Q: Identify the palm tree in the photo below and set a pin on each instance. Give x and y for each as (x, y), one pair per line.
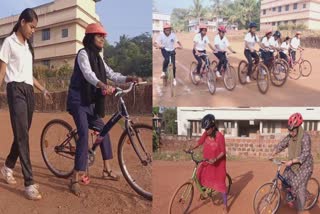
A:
(197, 10)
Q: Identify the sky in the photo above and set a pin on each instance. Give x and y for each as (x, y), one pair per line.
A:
(166, 6)
(118, 16)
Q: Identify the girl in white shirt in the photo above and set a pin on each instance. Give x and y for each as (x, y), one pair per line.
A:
(16, 63)
(201, 41)
(285, 48)
(295, 45)
(265, 50)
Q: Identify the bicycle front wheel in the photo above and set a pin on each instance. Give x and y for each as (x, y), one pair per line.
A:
(230, 78)
(279, 74)
(305, 68)
(170, 78)
(195, 78)
(136, 171)
(211, 81)
(312, 193)
(58, 147)
(262, 78)
(243, 71)
(267, 199)
(182, 199)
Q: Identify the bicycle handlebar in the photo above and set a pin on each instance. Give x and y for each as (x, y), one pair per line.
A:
(121, 92)
(192, 157)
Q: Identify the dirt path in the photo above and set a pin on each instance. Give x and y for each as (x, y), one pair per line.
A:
(101, 196)
(300, 92)
(247, 176)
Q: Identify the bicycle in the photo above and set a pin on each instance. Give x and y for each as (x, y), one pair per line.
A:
(269, 201)
(134, 154)
(305, 67)
(260, 74)
(184, 194)
(229, 75)
(206, 74)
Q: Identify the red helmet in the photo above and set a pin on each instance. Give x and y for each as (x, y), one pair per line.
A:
(95, 28)
(298, 33)
(268, 32)
(295, 121)
(222, 29)
(203, 26)
(166, 25)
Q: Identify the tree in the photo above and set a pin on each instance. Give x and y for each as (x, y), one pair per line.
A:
(197, 10)
(179, 19)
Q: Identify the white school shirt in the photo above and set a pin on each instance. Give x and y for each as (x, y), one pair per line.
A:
(285, 47)
(251, 40)
(273, 42)
(167, 41)
(201, 43)
(90, 76)
(18, 58)
(266, 42)
(295, 42)
(221, 44)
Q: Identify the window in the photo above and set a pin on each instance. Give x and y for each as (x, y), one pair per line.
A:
(286, 22)
(65, 33)
(46, 34)
(295, 6)
(46, 62)
(264, 12)
(268, 127)
(279, 9)
(304, 5)
(228, 126)
(195, 128)
(279, 23)
(287, 7)
(310, 125)
(294, 22)
(274, 9)
(273, 23)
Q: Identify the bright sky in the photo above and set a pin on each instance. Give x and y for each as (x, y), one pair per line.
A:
(166, 6)
(133, 19)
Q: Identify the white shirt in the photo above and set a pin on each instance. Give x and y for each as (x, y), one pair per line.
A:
(285, 47)
(167, 41)
(18, 58)
(266, 42)
(295, 43)
(221, 44)
(201, 43)
(90, 76)
(251, 40)
(273, 42)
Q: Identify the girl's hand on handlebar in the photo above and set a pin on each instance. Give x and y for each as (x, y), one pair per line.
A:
(132, 79)
(289, 163)
(212, 161)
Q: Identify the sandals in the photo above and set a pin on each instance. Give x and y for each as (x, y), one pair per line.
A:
(109, 176)
(74, 187)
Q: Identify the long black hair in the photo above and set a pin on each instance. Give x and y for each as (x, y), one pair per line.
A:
(28, 15)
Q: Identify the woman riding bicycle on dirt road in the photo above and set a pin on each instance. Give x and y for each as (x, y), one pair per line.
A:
(166, 42)
(221, 43)
(85, 102)
(213, 174)
(201, 41)
(250, 41)
(300, 161)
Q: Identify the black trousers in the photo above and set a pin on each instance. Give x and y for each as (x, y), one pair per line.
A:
(293, 54)
(222, 60)
(283, 56)
(166, 55)
(250, 56)
(21, 106)
(199, 59)
(266, 56)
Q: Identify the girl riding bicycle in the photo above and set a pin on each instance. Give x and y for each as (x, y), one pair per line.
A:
(300, 161)
(201, 41)
(221, 44)
(213, 174)
(85, 102)
(166, 42)
(295, 45)
(285, 48)
(250, 41)
(16, 63)
(266, 50)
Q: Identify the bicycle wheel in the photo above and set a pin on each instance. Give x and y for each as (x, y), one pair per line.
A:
(312, 193)
(278, 74)
(305, 68)
(214, 65)
(228, 183)
(266, 199)
(211, 81)
(138, 173)
(58, 146)
(230, 78)
(182, 199)
(242, 72)
(295, 72)
(195, 79)
(170, 79)
(262, 78)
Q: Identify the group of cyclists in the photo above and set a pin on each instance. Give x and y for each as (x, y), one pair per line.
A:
(270, 43)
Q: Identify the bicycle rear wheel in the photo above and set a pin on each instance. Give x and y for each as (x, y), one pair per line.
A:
(305, 68)
(138, 173)
(195, 79)
(243, 72)
(266, 199)
(312, 193)
(279, 74)
(262, 78)
(211, 81)
(170, 79)
(295, 72)
(58, 146)
(182, 199)
(230, 78)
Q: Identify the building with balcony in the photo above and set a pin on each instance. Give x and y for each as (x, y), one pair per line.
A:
(158, 20)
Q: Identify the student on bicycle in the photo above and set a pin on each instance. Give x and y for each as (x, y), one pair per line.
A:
(86, 104)
(295, 45)
(285, 48)
(250, 40)
(16, 64)
(266, 50)
(221, 44)
(166, 42)
(300, 165)
(275, 41)
(201, 41)
(212, 174)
